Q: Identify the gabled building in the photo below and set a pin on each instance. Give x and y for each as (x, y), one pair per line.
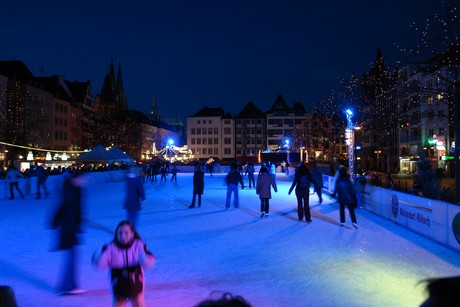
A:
(250, 133)
(281, 120)
(43, 112)
(211, 133)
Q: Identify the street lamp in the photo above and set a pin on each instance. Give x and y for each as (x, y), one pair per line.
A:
(350, 141)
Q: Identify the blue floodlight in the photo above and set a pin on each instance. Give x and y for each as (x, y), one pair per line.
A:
(170, 142)
(349, 112)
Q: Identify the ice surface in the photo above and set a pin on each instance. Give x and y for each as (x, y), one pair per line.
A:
(203, 252)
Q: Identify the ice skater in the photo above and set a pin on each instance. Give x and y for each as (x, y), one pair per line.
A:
(198, 185)
(174, 174)
(12, 176)
(163, 172)
(317, 176)
(232, 180)
(135, 194)
(263, 189)
(68, 219)
(42, 177)
(346, 196)
(302, 181)
(126, 256)
(250, 173)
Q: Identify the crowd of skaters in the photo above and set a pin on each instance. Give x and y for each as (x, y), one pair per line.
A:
(67, 218)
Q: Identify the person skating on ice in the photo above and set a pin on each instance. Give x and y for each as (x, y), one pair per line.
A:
(263, 188)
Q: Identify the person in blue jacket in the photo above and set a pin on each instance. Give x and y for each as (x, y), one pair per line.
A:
(135, 194)
(232, 180)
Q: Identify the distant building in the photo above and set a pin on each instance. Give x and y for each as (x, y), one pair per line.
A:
(250, 133)
(425, 117)
(211, 133)
(42, 112)
(281, 121)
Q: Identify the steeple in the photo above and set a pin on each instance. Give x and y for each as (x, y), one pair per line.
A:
(108, 87)
(112, 98)
(120, 92)
(153, 111)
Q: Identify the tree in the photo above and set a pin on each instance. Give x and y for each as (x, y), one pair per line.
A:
(314, 133)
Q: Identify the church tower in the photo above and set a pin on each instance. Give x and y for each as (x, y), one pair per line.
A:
(154, 112)
(112, 98)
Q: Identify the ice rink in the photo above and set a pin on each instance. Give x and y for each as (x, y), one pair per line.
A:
(203, 252)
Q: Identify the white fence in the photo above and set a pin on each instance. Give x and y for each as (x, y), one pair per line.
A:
(437, 220)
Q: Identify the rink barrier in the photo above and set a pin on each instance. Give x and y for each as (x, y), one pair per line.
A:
(434, 219)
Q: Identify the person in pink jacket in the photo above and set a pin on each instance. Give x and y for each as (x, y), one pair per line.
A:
(126, 256)
(263, 189)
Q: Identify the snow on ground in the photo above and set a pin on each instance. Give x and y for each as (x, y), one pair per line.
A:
(203, 252)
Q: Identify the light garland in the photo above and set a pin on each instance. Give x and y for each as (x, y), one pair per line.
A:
(47, 150)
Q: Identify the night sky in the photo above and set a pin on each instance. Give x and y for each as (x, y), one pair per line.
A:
(191, 54)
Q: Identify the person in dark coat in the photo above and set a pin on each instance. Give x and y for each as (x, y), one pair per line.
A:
(317, 176)
(263, 188)
(250, 172)
(42, 177)
(163, 171)
(174, 174)
(7, 297)
(68, 219)
(135, 194)
(302, 181)
(232, 180)
(346, 196)
(198, 185)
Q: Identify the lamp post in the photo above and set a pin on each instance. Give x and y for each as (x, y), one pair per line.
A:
(350, 141)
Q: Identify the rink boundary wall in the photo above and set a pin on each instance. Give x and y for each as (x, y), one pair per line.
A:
(434, 219)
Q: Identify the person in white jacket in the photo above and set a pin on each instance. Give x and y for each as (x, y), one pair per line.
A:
(126, 256)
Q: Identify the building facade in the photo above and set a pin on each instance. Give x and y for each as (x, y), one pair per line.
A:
(250, 133)
(281, 121)
(211, 133)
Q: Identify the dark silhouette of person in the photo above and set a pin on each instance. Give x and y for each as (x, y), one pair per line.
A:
(135, 194)
(68, 219)
(227, 300)
(317, 176)
(346, 196)
(7, 297)
(443, 292)
(42, 176)
(198, 185)
(232, 180)
(302, 181)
